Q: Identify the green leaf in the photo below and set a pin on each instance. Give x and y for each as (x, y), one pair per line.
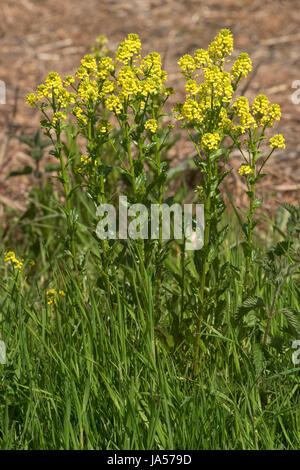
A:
(292, 317)
(27, 170)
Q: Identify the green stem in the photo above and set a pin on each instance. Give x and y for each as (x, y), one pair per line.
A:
(68, 200)
(207, 215)
(249, 239)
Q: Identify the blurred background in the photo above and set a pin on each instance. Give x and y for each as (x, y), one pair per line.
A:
(38, 36)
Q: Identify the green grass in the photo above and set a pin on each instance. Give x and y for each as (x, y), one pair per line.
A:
(100, 371)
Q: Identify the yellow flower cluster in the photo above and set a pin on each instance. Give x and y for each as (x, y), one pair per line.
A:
(10, 256)
(120, 84)
(190, 110)
(53, 81)
(241, 66)
(128, 49)
(58, 117)
(113, 103)
(216, 90)
(222, 46)
(209, 100)
(104, 126)
(52, 294)
(245, 170)
(53, 89)
(260, 105)
(68, 80)
(88, 90)
(187, 65)
(241, 108)
(105, 67)
(151, 124)
(274, 113)
(225, 124)
(264, 113)
(202, 58)
(78, 113)
(277, 141)
(210, 141)
(89, 63)
(127, 82)
(218, 84)
(85, 159)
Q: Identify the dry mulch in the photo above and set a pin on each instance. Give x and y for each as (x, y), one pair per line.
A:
(37, 36)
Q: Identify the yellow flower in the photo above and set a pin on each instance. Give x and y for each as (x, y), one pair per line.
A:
(221, 46)
(191, 111)
(242, 109)
(88, 90)
(210, 141)
(127, 82)
(277, 141)
(113, 103)
(104, 126)
(58, 116)
(107, 87)
(224, 122)
(202, 58)
(53, 81)
(192, 87)
(65, 98)
(82, 72)
(78, 113)
(51, 295)
(260, 105)
(31, 99)
(10, 256)
(68, 80)
(89, 63)
(129, 48)
(245, 170)
(241, 66)
(187, 65)
(151, 124)
(273, 113)
(85, 159)
(105, 67)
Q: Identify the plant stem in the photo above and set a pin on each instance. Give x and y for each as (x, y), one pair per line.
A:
(249, 239)
(207, 215)
(68, 201)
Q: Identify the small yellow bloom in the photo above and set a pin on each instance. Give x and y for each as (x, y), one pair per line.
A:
(85, 159)
(104, 126)
(10, 256)
(187, 64)
(129, 48)
(151, 124)
(58, 117)
(242, 66)
(210, 141)
(52, 294)
(31, 99)
(68, 80)
(245, 170)
(113, 103)
(277, 141)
